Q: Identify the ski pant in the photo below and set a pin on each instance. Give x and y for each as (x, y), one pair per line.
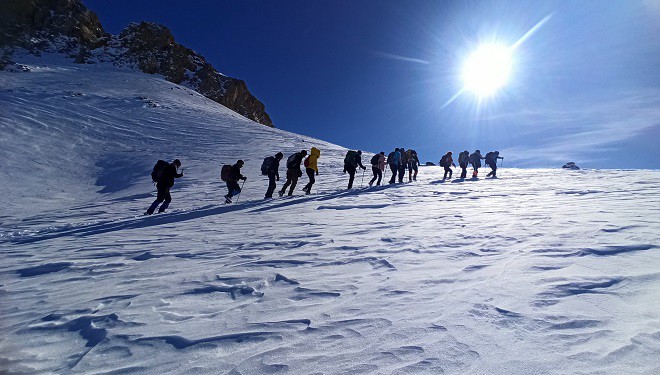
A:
(402, 172)
(492, 166)
(378, 174)
(394, 169)
(292, 176)
(463, 170)
(271, 185)
(233, 188)
(310, 173)
(412, 167)
(447, 170)
(351, 174)
(163, 196)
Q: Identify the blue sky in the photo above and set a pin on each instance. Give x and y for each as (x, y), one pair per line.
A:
(374, 75)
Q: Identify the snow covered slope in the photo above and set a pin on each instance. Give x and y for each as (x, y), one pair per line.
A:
(539, 271)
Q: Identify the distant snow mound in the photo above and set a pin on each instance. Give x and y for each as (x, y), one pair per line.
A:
(570, 165)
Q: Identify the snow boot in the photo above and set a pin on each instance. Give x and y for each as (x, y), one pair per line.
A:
(227, 199)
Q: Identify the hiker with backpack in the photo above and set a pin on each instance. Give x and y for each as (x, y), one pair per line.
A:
(293, 172)
(413, 163)
(491, 160)
(231, 176)
(447, 162)
(463, 160)
(393, 159)
(475, 160)
(403, 163)
(352, 160)
(377, 167)
(271, 168)
(163, 174)
(311, 168)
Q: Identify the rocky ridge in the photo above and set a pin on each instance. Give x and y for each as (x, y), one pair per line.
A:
(67, 26)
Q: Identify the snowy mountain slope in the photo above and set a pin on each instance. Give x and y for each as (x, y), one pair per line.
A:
(539, 271)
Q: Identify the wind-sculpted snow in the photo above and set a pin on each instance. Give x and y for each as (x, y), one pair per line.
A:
(535, 272)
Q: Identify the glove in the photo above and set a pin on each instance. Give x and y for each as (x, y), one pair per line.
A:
(244, 178)
(278, 178)
(364, 168)
(317, 173)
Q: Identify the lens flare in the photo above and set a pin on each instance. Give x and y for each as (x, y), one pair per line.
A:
(487, 69)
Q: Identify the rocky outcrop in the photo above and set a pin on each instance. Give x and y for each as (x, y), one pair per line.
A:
(153, 49)
(22, 19)
(570, 165)
(67, 26)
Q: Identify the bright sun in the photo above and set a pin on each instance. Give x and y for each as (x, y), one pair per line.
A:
(487, 69)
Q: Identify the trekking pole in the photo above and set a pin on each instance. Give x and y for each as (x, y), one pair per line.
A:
(361, 182)
(239, 193)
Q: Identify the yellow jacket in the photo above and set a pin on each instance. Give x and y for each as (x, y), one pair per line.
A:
(311, 159)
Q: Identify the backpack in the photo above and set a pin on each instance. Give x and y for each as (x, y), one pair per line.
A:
(157, 171)
(350, 158)
(306, 163)
(375, 159)
(225, 172)
(290, 162)
(489, 157)
(443, 161)
(463, 158)
(265, 166)
(390, 158)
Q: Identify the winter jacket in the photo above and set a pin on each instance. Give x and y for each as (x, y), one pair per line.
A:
(412, 158)
(463, 159)
(169, 174)
(297, 160)
(404, 158)
(382, 161)
(313, 157)
(274, 168)
(235, 173)
(475, 159)
(449, 160)
(353, 160)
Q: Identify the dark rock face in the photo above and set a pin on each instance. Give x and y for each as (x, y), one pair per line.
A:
(570, 165)
(67, 26)
(153, 48)
(49, 17)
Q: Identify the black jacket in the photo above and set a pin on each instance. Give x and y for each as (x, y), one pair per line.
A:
(235, 173)
(274, 168)
(169, 174)
(297, 160)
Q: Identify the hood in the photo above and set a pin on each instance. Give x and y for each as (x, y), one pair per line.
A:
(316, 151)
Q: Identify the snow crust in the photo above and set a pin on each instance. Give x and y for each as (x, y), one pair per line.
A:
(535, 272)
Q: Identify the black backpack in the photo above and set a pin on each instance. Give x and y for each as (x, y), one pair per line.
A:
(265, 166)
(375, 159)
(350, 158)
(290, 162)
(443, 161)
(489, 157)
(225, 172)
(157, 171)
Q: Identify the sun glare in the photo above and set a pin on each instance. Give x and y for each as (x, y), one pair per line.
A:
(487, 69)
